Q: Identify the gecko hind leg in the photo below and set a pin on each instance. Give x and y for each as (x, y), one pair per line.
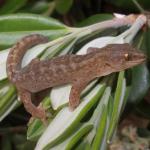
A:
(77, 88)
(37, 112)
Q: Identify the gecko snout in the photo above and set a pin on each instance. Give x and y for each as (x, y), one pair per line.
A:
(139, 56)
(135, 57)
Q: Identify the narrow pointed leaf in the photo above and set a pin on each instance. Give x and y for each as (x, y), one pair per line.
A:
(16, 26)
(66, 121)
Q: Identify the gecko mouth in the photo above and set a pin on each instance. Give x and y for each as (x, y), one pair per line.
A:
(137, 59)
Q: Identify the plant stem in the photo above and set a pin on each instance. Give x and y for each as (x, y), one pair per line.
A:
(80, 32)
(114, 23)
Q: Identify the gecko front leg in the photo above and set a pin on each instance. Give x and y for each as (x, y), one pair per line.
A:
(92, 49)
(37, 112)
(77, 87)
(34, 61)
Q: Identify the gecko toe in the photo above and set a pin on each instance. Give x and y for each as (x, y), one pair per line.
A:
(42, 115)
(71, 108)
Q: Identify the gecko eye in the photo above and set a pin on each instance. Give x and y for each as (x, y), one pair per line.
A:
(126, 56)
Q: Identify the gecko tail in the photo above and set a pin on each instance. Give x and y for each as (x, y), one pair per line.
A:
(15, 56)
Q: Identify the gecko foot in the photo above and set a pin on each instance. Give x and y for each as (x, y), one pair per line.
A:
(43, 119)
(77, 87)
(73, 103)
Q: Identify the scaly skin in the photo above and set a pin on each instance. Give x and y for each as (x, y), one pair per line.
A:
(77, 70)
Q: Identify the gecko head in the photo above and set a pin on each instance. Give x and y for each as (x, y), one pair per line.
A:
(124, 56)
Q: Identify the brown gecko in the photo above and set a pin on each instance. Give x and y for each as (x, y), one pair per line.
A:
(77, 70)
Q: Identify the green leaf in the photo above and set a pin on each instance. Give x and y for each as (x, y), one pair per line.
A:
(140, 83)
(94, 19)
(61, 48)
(20, 142)
(140, 74)
(117, 104)
(67, 121)
(11, 6)
(63, 6)
(35, 129)
(39, 7)
(4, 88)
(100, 130)
(72, 141)
(78, 135)
(84, 145)
(15, 26)
(93, 124)
(99, 119)
(3, 56)
(7, 99)
(10, 106)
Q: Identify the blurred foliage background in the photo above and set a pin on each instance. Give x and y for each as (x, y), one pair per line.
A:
(77, 13)
(71, 12)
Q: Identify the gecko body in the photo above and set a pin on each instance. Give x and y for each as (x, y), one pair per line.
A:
(77, 70)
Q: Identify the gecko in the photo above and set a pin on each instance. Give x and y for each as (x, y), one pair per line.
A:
(77, 70)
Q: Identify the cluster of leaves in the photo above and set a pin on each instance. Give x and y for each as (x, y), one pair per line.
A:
(103, 105)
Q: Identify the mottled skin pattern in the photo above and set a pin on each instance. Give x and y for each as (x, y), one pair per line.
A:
(77, 70)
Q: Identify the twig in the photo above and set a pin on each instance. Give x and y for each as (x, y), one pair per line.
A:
(50, 10)
(138, 6)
